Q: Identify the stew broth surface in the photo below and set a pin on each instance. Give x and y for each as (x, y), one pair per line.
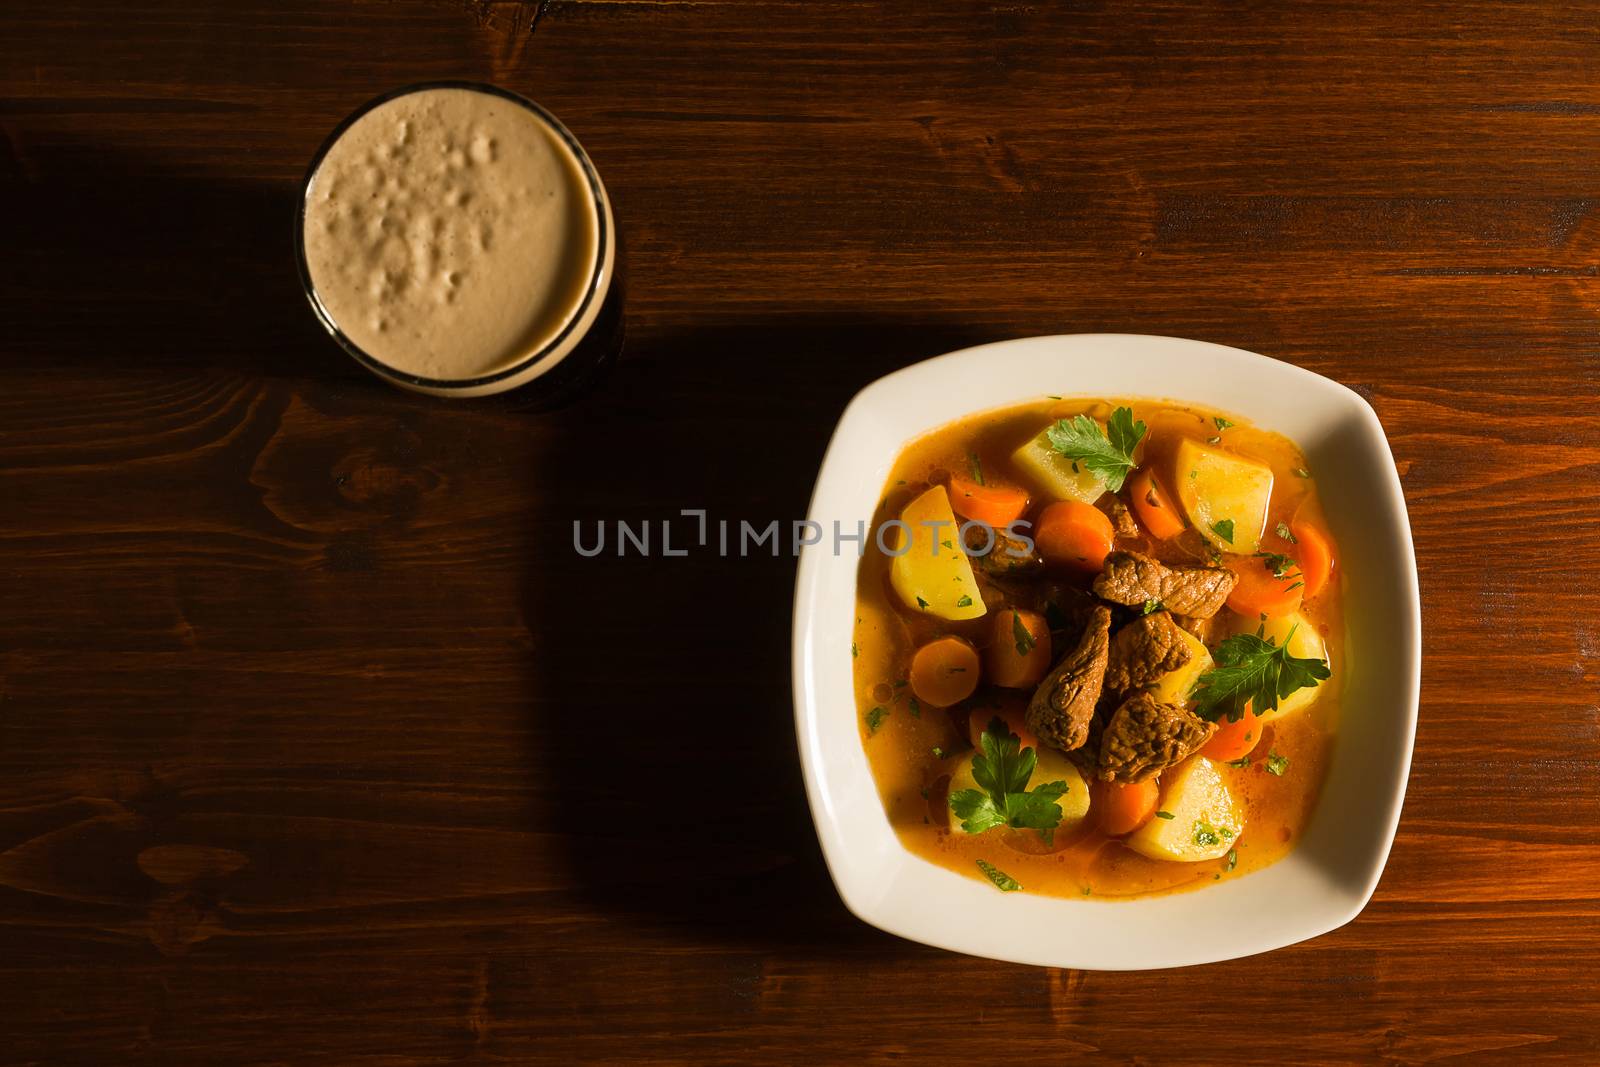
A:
(913, 747)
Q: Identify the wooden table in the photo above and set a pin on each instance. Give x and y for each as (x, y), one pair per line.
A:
(320, 745)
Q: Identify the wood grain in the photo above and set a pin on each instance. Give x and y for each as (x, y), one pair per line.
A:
(319, 745)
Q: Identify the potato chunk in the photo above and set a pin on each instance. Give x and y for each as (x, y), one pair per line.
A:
(1174, 686)
(1220, 488)
(933, 574)
(1306, 643)
(1205, 821)
(1052, 767)
(1052, 472)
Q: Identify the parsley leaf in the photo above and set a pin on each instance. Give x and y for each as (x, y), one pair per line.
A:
(854, 651)
(1277, 764)
(1151, 606)
(1165, 815)
(938, 753)
(1284, 532)
(921, 603)
(1108, 454)
(1222, 423)
(1002, 771)
(1020, 634)
(1205, 834)
(1003, 881)
(1301, 472)
(1277, 563)
(964, 602)
(875, 718)
(1223, 528)
(977, 468)
(1252, 670)
(1232, 860)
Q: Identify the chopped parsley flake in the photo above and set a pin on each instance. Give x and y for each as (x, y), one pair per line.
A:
(1223, 528)
(1020, 634)
(964, 602)
(875, 718)
(1165, 815)
(1277, 764)
(1003, 881)
(921, 603)
(1285, 533)
(1301, 472)
(1222, 423)
(1232, 861)
(1151, 606)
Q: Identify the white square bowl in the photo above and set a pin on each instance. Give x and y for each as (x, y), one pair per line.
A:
(1331, 874)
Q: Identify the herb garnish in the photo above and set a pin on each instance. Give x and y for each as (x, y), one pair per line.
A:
(1223, 528)
(1005, 799)
(1151, 606)
(1232, 860)
(1003, 881)
(977, 468)
(1285, 533)
(1277, 764)
(1242, 761)
(1205, 834)
(1222, 423)
(875, 718)
(1217, 440)
(938, 753)
(1278, 564)
(1301, 472)
(1020, 634)
(854, 651)
(921, 603)
(913, 707)
(1165, 815)
(964, 602)
(1108, 454)
(1252, 670)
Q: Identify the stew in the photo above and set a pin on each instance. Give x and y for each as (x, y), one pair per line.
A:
(1098, 645)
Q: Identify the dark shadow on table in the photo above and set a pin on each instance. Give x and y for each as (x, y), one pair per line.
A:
(109, 261)
(663, 684)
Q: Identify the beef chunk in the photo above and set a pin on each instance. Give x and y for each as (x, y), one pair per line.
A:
(1122, 520)
(1202, 629)
(1064, 702)
(1005, 557)
(1143, 651)
(1134, 579)
(1144, 737)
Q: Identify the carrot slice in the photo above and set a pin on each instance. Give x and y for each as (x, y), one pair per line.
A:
(1019, 649)
(1015, 721)
(1234, 740)
(1123, 807)
(997, 505)
(1260, 592)
(1155, 508)
(1073, 534)
(944, 671)
(1315, 554)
